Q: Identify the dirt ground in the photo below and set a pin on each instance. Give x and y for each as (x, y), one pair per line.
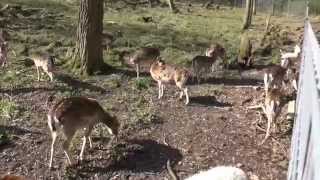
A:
(214, 129)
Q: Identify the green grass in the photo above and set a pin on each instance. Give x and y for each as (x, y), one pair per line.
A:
(179, 36)
(142, 83)
(8, 109)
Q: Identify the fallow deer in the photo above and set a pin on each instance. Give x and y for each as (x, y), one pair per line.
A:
(164, 73)
(271, 107)
(203, 65)
(143, 55)
(74, 113)
(45, 62)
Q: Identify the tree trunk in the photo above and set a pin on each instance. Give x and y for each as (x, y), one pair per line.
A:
(88, 54)
(273, 8)
(248, 14)
(288, 7)
(254, 7)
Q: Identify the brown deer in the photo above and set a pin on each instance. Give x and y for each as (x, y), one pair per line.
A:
(164, 73)
(203, 65)
(271, 105)
(217, 50)
(74, 113)
(45, 62)
(245, 56)
(277, 76)
(143, 55)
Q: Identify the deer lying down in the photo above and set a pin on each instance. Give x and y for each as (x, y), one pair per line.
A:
(145, 54)
(220, 173)
(164, 73)
(203, 65)
(45, 62)
(74, 113)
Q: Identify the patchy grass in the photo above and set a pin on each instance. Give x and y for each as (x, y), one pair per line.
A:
(142, 83)
(8, 109)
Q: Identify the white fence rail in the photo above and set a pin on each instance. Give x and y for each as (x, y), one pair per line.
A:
(305, 143)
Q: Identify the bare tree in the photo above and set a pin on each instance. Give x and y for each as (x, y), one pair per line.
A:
(248, 14)
(88, 53)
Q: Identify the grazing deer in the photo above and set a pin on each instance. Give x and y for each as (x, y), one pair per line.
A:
(74, 113)
(203, 65)
(164, 73)
(220, 173)
(145, 54)
(45, 62)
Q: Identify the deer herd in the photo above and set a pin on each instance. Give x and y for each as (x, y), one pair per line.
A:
(74, 113)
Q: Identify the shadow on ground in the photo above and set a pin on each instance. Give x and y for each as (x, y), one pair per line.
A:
(134, 156)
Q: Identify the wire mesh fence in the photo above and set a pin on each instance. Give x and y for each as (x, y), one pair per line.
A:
(305, 145)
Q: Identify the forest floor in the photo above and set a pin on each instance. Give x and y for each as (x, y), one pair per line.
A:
(216, 128)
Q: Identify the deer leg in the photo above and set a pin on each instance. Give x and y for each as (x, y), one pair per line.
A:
(162, 89)
(265, 79)
(187, 96)
(159, 89)
(66, 150)
(83, 146)
(54, 137)
(68, 134)
(270, 115)
(38, 72)
(90, 141)
(137, 69)
(294, 84)
(181, 94)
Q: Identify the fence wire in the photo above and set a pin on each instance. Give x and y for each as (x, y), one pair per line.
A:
(305, 144)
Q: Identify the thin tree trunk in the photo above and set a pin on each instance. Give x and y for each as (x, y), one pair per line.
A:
(273, 6)
(248, 15)
(88, 54)
(254, 7)
(288, 7)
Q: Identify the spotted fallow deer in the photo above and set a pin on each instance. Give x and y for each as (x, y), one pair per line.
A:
(164, 73)
(74, 113)
(45, 62)
(143, 55)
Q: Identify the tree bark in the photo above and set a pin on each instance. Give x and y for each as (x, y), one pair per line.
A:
(248, 14)
(88, 54)
(254, 7)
